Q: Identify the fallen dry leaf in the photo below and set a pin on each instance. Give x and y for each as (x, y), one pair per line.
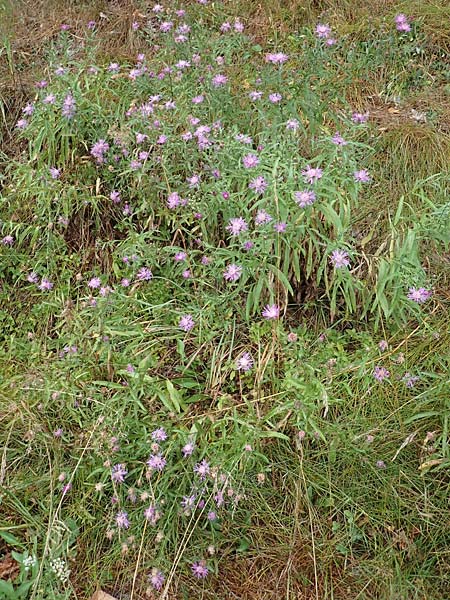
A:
(9, 568)
(99, 595)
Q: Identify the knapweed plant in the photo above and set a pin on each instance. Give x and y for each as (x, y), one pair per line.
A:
(198, 257)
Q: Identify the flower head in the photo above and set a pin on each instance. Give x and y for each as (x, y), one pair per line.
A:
(118, 473)
(232, 272)
(362, 176)
(157, 462)
(186, 323)
(200, 570)
(339, 259)
(236, 226)
(271, 311)
(122, 520)
(202, 469)
(244, 362)
(250, 160)
(258, 185)
(419, 295)
(159, 435)
(304, 198)
(381, 373)
(312, 174)
(156, 579)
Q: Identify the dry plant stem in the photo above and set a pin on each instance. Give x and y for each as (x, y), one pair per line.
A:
(311, 521)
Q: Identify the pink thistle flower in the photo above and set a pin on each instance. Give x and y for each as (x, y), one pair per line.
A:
(156, 579)
(202, 469)
(122, 520)
(255, 95)
(232, 272)
(157, 462)
(258, 185)
(381, 373)
(8, 240)
(94, 283)
(338, 140)
(280, 227)
(275, 98)
(277, 58)
(292, 125)
(219, 80)
(339, 259)
(419, 295)
(262, 217)
(144, 274)
(362, 176)
(187, 449)
(186, 323)
(271, 311)
(236, 226)
(250, 160)
(159, 435)
(360, 117)
(304, 198)
(323, 30)
(244, 362)
(118, 473)
(312, 174)
(45, 284)
(200, 570)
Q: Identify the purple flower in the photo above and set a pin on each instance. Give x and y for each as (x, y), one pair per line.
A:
(419, 295)
(144, 274)
(157, 462)
(410, 380)
(173, 200)
(188, 501)
(22, 124)
(401, 23)
(232, 272)
(304, 198)
(212, 516)
(156, 579)
(159, 435)
(198, 99)
(166, 26)
(118, 473)
(45, 284)
(244, 362)
(323, 30)
(360, 117)
(28, 109)
(94, 283)
(50, 99)
(250, 160)
(312, 174)
(238, 26)
(122, 520)
(362, 176)
(275, 98)
(54, 172)
(262, 217)
(255, 95)
(271, 311)
(280, 227)
(32, 277)
(186, 323)
(187, 449)
(338, 140)
(381, 373)
(219, 80)
(236, 226)
(277, 58)
(258, 185)
(200, 570)
(180, 256)
(292, 125)
(98, 149)
(202, 469)
(339, 259)
(8, 240)
(69, 107)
